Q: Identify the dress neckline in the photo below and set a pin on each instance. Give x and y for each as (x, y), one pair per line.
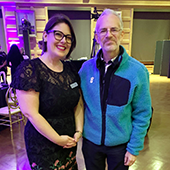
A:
(50, 68)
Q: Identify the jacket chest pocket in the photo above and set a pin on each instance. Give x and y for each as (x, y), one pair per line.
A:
(118, 93)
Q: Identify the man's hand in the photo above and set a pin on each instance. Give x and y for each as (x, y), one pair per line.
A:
(77, 136)
(129, 159)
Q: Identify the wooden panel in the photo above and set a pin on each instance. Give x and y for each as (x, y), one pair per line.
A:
(126, 13)
(40, 23)
(126, 35)
(9, 13)
(127, 24)
(125, 41)
(10, 28)
(11, 36)
(40, 28)
(91, 3)
(126, 46)
(41, 16)
(40, 12)
(39, 36)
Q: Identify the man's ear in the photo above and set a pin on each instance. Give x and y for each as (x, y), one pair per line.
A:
(121, 36)
(96, 38)
(45, 36)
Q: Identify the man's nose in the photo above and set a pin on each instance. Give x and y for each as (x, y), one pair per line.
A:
(108, 33)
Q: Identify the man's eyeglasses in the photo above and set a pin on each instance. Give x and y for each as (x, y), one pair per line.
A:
(102, 32)
(60, 35)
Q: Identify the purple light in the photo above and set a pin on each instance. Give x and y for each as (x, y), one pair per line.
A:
(13, 42)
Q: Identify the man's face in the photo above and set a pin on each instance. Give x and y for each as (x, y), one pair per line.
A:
(26, 17)
(109, 34)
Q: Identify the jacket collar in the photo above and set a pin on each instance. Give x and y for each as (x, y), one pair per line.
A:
(100, 60)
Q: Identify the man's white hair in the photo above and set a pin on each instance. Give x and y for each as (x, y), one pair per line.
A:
(108, 12)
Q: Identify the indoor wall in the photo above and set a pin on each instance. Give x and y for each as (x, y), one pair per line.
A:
(148, 28)
(83, 35)
(81, 22)
(2, 34)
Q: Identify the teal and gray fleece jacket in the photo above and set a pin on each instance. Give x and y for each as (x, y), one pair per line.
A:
(128, 104)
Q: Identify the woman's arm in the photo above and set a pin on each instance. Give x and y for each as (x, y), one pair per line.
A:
(79, 119)
(29, 104)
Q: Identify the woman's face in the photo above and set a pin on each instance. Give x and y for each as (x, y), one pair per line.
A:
(59, 48)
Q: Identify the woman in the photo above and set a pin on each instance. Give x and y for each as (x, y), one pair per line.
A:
(14, 58)
(49, 96)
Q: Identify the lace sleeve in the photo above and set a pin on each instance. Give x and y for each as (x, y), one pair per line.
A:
(26, 76)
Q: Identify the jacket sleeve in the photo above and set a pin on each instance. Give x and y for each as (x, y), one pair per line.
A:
(141, 112)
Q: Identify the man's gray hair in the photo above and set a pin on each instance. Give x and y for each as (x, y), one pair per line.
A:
(108, 12)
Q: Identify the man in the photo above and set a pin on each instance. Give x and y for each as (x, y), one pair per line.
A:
(117, 100)
(22, 50)
(26, 24)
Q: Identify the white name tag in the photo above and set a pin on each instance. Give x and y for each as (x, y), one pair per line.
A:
(73, 85)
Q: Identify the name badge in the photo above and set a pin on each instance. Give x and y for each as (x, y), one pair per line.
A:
(73, 85)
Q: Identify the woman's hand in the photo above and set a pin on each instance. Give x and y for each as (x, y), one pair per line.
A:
(66, 141)
(77, 136)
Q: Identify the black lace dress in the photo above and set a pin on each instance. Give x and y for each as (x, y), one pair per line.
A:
(59, 94)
